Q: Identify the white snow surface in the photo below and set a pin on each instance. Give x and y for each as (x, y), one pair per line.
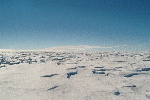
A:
(75, 76)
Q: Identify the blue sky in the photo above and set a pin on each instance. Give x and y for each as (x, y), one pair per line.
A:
(37, 24)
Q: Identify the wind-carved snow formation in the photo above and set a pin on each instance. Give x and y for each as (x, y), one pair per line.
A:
(75, 75)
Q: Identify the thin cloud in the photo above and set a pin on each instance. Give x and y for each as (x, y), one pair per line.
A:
(127, 46)
(122, 46)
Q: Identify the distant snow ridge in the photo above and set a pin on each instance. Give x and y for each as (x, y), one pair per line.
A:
(73, 48)
(6, 50)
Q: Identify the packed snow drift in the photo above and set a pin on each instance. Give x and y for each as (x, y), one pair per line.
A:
(75, 75)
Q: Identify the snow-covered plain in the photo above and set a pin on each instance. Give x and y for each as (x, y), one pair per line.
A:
(75, 75)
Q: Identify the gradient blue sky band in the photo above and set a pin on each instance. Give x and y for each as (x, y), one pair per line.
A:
(37, 24)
